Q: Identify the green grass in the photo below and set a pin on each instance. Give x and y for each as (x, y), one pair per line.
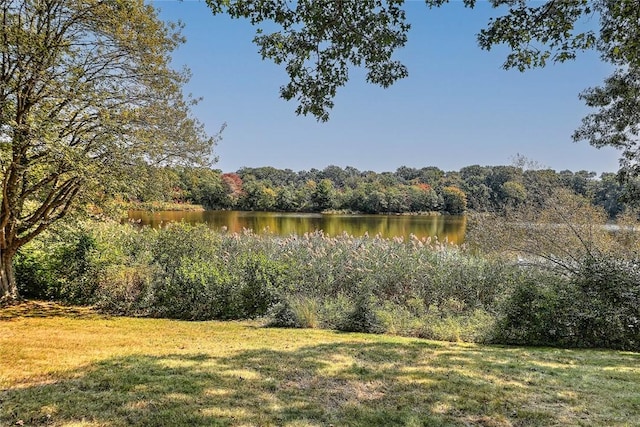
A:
(72, 367)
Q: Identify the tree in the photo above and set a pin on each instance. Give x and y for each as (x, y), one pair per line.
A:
(257, 196)
(423, 198)
(514, 193)
(608, 193)
(323, 195)
(397, 200)
(286, 199)
(156, 184)
(318, 41)
(541, 32)
(475, 180)
(495, 180)
(455, 201)
(617, 121)
(407, 174)
(204, 186)
(86, 94)
(234, 186)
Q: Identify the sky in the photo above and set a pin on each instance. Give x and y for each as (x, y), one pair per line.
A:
(457, 108)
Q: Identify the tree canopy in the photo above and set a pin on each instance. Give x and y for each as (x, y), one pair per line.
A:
(318, 41)
(475, 188)
(86, 93)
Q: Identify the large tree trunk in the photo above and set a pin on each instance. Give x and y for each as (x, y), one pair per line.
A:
(8, 288)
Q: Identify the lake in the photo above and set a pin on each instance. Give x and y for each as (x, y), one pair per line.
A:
(449, 227)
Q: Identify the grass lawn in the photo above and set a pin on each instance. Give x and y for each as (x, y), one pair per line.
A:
(71, 367)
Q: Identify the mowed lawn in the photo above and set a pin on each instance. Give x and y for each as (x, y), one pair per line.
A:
(72, 367)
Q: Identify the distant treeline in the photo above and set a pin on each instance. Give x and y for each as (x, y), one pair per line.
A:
(407, 190)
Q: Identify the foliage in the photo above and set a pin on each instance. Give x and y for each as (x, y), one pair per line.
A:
(616, 122)
(205, 187)
(34, 274)
(538, 33)
(408, 190)
(598, 307)
(319, 41)
(283, 316)
(455, 201)
(192, 272)
(61, 269)
(261, 279)
(322, 197)
(581, 281)
(301, 312)
(87, 96)
(363, 316)
(555, 276)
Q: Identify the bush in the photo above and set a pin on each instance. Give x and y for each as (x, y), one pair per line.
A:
(260, 281)
(599, 306)
(530, 315)
(34, 274)
(400, 320)
(60, 265)
(307, 312)
(283, 316)
(126, 290)
(580, 278)
(196, 291)
(608, 303)
(363, 317)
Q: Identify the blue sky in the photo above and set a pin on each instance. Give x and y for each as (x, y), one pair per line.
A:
(457, 108)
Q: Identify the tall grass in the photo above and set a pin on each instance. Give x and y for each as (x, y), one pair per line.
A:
(314, 280)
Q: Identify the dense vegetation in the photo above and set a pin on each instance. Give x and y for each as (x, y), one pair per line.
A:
(552, 279)
(428, 189)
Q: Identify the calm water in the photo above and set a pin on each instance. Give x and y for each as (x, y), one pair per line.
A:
(451, 228)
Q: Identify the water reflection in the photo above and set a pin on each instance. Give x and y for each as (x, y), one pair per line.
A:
(443, 227)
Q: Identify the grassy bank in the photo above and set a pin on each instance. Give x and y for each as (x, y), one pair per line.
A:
(73, 367)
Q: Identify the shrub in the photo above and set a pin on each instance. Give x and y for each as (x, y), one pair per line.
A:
(196, 291)
(307, 312)
(363, 317)
(400, 319)
(34, 274)
(60, 265)
(126, 290)
(334, 310)
(530, 314)
(283, 316)
(260, 279)
(607, 301)
(580, 280)
(597, 307)
(414, 287)
(77, 268)
(452, 321)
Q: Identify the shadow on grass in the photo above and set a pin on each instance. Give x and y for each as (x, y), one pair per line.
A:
(345, 384)
(45, 309)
